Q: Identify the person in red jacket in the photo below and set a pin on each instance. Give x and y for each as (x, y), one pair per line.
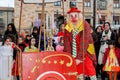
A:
(78, 41)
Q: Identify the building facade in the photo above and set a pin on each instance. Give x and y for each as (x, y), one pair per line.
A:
(6, 17)
(105, 11)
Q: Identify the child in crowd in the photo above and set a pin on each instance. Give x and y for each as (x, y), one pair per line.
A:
(31, 47)
(27, 39)
(6, 59)
(111, 60)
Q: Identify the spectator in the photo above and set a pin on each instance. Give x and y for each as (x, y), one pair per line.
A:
(11, 32)
(31, 47)
(50, 45)
(98, 32)
(35, 34)
(111, 60)
(107, 35)
(62, 29)
(27, 39)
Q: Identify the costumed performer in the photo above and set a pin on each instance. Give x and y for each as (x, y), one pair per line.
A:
(79, 44)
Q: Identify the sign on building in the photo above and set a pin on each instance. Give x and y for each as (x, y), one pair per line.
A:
(102, 4)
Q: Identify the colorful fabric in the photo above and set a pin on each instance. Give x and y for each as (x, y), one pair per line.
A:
(87, 40)
(32, 49)
(89, 69)
(111, 61)
(60, 34)
(74, 53)
(59, 48)
(80, 40)
(6, 62)
(15, 68)
(69, 27)
(117, 53)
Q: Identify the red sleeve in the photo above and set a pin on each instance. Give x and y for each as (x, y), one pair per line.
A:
(67, 42)
(13, 45)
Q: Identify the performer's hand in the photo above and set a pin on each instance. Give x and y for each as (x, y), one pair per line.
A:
(78, 61)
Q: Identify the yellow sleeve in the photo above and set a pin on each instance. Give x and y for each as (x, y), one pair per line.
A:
(91, 49)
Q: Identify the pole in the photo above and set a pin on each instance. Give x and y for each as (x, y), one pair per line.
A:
(42, 23)
(20, 15)
(83, 43)
(63, 7)
(94, 14)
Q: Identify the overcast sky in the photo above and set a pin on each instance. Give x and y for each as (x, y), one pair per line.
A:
(7, 3)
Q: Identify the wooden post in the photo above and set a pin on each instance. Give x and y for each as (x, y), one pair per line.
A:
(20, 15)
(83, 42)
(42, 23)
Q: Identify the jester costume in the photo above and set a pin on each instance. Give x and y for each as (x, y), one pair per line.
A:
(81, 45)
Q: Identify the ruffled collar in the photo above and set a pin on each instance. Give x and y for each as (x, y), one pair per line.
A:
(70, 27)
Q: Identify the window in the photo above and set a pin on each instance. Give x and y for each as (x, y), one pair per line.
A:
(12, 13)
(87, 3)
(102, 20)
(1, 22)
(58, 3)
(116, 4)
(1, 13)
(116, 20)
(72, 3)
(102, 4)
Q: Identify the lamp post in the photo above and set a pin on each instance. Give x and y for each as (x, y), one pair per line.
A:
(94, 14)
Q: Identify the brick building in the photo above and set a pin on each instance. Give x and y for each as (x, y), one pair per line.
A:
(6, 17)
(109, 10)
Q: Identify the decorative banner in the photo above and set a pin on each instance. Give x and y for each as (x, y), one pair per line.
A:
(48, 66)
(39, 1)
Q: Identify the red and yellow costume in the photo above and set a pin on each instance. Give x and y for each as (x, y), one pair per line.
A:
(111, 60)
(84, 45)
